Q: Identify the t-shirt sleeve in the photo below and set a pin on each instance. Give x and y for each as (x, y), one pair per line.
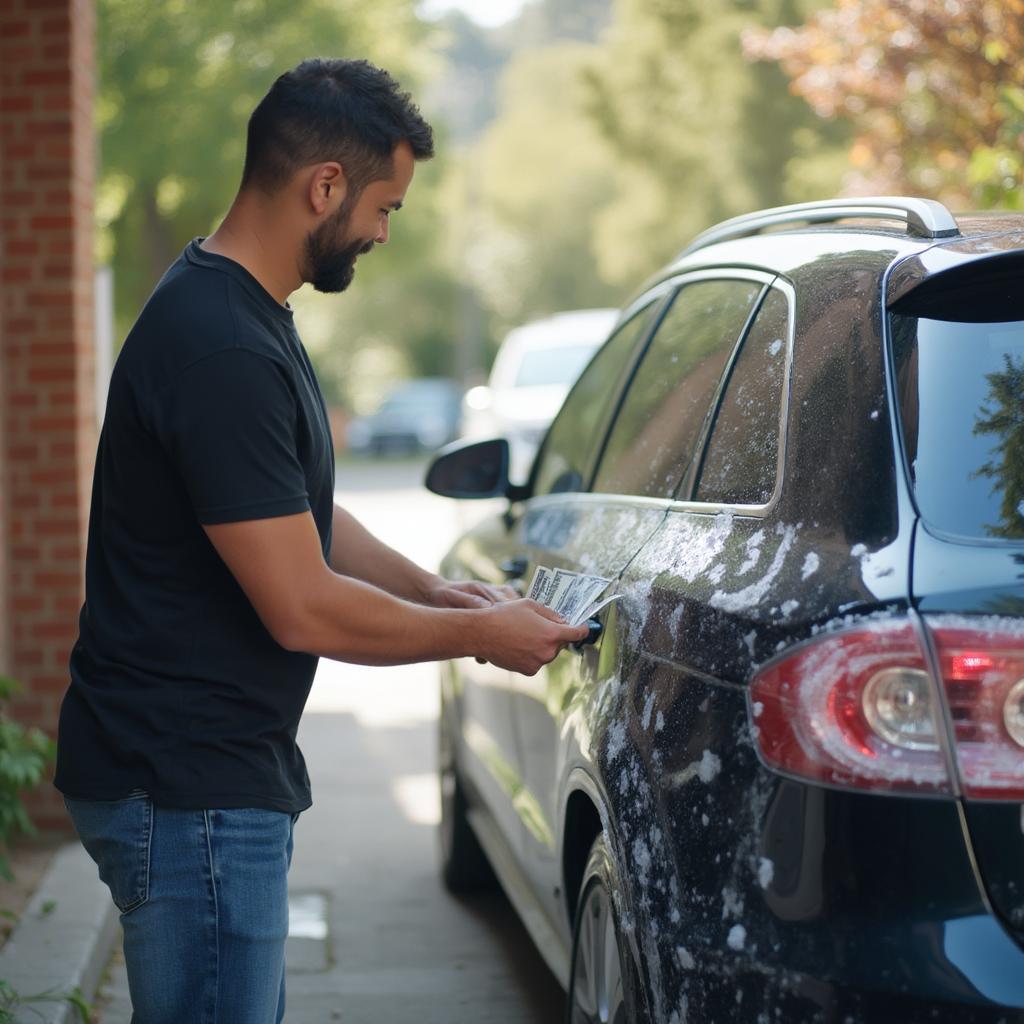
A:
(228, 423)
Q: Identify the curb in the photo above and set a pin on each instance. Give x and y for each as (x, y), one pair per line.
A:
(64, 938)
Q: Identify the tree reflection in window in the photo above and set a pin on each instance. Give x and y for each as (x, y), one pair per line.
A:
(1002, 415)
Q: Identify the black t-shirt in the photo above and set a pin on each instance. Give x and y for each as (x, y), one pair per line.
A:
(214, 415)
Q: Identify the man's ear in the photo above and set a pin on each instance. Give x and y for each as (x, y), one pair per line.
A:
(327, 187)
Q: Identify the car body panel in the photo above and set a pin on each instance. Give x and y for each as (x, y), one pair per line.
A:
(749, 895)
(565, 532)
(979, 581)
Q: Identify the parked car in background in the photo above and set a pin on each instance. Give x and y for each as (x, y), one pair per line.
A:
(532, 372)
(418, 415)
(785, 783)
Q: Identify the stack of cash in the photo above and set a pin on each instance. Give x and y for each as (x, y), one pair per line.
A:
(574, 595)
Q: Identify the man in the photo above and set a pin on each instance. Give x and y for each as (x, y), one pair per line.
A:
(219, 568)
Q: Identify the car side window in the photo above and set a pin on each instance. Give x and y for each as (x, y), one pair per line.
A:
(742, 459)
(569, 446)
(660, 423)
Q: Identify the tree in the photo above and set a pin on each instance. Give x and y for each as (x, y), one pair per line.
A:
(178, 81)
(1003, 416)
(699, 132)
(934, 92)
(531, 190)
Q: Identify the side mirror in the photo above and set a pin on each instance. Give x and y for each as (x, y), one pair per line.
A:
(475, 470)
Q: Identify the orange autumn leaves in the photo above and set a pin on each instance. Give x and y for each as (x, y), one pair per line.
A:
(934, 90)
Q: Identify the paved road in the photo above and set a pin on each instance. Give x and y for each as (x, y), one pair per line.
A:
(397, 948)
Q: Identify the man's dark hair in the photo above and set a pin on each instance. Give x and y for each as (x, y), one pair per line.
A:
(344, 110)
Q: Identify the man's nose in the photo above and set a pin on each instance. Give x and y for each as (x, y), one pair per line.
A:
(382, 233)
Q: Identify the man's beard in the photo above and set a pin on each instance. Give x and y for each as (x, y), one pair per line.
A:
(331, 267)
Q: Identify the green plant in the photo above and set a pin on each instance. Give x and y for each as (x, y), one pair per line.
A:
(24, 755)
(10, 1000)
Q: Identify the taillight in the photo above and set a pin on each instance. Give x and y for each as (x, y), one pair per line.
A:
(860, 708)
(982, 666)
(855, 708)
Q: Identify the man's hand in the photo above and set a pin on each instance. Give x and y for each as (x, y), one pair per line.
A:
(523, 636)
(469, 594)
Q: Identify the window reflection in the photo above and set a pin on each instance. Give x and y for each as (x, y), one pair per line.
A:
(962, 413)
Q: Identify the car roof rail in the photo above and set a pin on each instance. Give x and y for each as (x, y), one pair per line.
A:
(925, 218)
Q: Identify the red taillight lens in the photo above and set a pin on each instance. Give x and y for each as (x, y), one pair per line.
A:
(860, 708)
(856, 708)
(983, 679)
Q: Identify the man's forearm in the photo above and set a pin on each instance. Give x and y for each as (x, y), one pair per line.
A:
(358, 553)
(350, 620)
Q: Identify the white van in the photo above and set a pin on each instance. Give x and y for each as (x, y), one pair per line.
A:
(532, 373)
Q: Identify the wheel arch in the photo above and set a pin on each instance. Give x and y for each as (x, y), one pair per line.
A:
(583, 821)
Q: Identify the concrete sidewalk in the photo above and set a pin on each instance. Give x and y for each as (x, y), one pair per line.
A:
(62, 941)
(397, 947)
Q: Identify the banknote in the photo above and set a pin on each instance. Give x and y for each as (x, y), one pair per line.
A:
(575, 596)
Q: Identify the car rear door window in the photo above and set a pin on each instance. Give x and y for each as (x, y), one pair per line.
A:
(569, 448)
(961, 402)
(742, 458)
(660, 423)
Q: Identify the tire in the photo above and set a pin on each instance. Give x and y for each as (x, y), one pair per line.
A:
(464, 865)
(604, 984)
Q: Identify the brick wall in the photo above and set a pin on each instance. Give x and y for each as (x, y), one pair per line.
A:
(47, 413)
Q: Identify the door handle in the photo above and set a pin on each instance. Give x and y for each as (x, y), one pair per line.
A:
(513, 568)
(595, 628)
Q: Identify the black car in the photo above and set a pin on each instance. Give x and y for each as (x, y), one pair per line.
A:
(785, 783)
(418, 415)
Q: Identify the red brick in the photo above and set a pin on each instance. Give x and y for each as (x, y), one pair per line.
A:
(55, 127)
(21, 247)
(56, 26)
(55, 75)
(13, 54)
(52, 222)
(59, 150)
(16, 104)
(43, 374)
(57, 100)
(24, 150)
(53, 424)
(55, 527)
(46, 172)
(19, 29)
(56, 580)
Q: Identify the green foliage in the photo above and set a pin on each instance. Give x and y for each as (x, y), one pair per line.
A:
(178, 81)
(536, 181)
(704, 133)
(11, 1001)
(24, 755)
(1003, 417)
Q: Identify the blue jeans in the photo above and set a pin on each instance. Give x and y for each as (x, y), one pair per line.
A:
(203, 897)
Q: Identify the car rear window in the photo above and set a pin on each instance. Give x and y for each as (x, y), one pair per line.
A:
(961, 402)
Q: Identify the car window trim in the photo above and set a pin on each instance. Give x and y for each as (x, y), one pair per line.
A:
(690, 504)
(676, 283)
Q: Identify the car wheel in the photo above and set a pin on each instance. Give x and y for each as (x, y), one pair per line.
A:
(464, 865)
(604, 986)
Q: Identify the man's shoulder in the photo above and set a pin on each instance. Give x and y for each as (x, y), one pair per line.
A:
(195, 312)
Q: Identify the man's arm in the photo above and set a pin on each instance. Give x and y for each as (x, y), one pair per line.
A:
(307, 606)
(358, 553)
